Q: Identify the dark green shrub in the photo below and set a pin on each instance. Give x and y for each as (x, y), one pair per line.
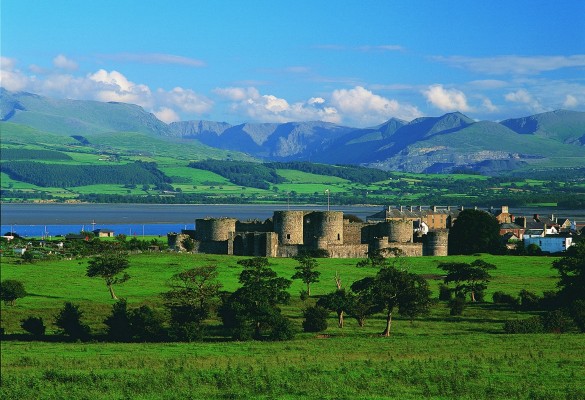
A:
(505, 298)
(34, 326)
(457, 305)
(315, 319)
(10, 290)
(555, 322)
(480, 296)
(529, 300)
(445, 293)
(304, 295)
(577, 312)
(69, 320)
(118, 323)
(187, 331)
(282, 329)
(146, 324)
(530, 325)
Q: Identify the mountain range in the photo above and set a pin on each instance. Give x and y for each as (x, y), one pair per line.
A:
(429, 144)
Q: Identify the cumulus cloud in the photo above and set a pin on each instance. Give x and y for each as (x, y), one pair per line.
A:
(523, 97)
(167, 115)
(446, 99)
(186, 100)
(488, 105)
(64, 63)
(269, 108)
(103, 85)
(570, 101)
(366, 108)
(529, 65)
(11, 78)
(114, 86)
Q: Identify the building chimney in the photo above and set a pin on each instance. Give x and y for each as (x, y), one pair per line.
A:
(505, 209)
(434, 208)
(535, 217)
(401, 208)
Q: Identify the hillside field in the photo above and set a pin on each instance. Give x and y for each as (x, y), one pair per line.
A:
(435, 356)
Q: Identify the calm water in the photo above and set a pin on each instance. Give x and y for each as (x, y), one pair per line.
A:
(136, 219)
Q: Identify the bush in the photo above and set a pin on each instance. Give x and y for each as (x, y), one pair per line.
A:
(529, 301)
(445, 293)
(530, 325)
(146, 324)
(69, 320)
(282, 329)
(555, 322)
(480, 296)
(505, 298)
(315, 319)
(187, 331)
(304, 295)
(10, 290)
(34, 326)
(118, 322)
(577, 312)
(457, 305)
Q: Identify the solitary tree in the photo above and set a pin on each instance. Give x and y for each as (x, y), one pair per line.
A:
(110, 267)
(475, 231)
(339, 301)
(392, 288)
(252, 310)
(193, 295)
(469, 278)
(10, 290)
(306, 271)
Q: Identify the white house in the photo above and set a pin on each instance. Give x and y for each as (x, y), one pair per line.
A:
(550, 243)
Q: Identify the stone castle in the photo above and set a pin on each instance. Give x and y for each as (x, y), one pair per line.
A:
(289, 233)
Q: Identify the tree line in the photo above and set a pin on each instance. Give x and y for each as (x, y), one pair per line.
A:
(250, 174)
(29, 154)
(65, 175)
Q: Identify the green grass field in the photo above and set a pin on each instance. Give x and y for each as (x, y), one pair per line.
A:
(435, 356)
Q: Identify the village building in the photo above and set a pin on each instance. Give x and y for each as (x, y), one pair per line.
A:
(104, 233)
(550, 243)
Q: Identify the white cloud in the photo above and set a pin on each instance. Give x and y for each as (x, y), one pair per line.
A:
(186, 100)
(316, 100)
(114, 86)
(11, 78)
(167, 115)
(446, 99)
(570, 101)
(269, 108)
(489, 106)
(523, 97)
(64, 63)
(238, 93)
(366, 108)
(529, 65)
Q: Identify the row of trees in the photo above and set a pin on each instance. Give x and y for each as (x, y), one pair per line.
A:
(67, 175)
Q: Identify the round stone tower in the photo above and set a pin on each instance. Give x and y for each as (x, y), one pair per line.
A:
(436, 243)
(328, 226)
(215, 229)
(400, 231)
(289, 226)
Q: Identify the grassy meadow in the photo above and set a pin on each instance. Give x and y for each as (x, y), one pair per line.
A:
(435, 356)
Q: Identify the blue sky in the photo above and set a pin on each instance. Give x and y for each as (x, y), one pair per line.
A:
(356, 63)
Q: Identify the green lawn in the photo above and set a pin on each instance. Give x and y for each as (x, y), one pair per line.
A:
(435, 356)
